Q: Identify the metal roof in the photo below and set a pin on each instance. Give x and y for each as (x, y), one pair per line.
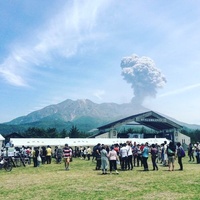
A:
(39, 142)
(149, 119)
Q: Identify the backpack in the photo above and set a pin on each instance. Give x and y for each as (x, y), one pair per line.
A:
(182, 152)
(59, 152)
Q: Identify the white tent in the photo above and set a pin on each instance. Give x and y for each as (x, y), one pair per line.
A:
(1, 140)
(32, 142)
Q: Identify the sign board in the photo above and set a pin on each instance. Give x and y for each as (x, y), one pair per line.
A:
(151, 120)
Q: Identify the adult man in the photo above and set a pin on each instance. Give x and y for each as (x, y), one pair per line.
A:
(96, 151)
(124, 156)
(145, 155)
(58, 155)
(130, 155)
(179, 155)
(67, 153)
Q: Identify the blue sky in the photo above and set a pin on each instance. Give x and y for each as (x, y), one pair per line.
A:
(56, 50)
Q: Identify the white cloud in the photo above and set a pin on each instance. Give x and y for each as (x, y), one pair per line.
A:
(181, 90)
(99, 94)
(61, 36)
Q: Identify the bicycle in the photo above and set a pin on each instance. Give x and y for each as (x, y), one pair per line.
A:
(6, 164)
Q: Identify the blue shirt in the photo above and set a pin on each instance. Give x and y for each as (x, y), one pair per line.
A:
(145, 152)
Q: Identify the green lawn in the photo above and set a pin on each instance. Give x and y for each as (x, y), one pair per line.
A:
(83, 182)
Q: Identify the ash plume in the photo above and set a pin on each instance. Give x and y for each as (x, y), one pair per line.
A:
(143, 76)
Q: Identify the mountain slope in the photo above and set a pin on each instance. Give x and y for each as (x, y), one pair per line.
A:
(85, 114)
(72, 110)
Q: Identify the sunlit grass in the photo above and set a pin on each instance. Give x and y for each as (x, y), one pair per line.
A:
(83, 182)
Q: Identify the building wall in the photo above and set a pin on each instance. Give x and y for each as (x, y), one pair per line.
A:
(183, 139)
(104, 135)
(110, 134)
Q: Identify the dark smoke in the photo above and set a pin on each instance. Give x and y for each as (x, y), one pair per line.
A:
(143, 76)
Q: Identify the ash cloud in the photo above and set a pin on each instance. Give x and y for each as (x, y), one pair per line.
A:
(145, 78)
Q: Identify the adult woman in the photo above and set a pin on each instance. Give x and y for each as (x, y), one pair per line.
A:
(104, 160)
(171, 151)
(112, 155)
(154, 155)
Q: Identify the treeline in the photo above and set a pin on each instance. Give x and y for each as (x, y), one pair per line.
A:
(74, 132)
(34, 132)
(124, 133)
(193, 134)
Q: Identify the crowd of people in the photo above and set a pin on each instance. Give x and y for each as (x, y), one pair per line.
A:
(112, 158)
(130, 155)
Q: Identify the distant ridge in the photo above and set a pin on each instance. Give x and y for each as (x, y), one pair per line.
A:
(83, 113)
(70, 110)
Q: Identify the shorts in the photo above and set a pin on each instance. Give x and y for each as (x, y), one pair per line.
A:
(171, 159)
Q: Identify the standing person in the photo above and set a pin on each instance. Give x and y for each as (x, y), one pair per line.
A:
(28, 151)
(165, 154)
(113, 157)
(135, 153)
(196, 153)
(81, 152)
(35, 155)
(43, 154)
(130, 156)
(48, 154)
(67, 154)
(104, 160)
(141, 150)
(84, 155)
(154, 155)
(89, 152)
(139, 156)
(191, 152)
(179, 154)
(39, 159)
(123, 152)
(162, 153)
(58, 155)
(145, 155)
(97, 150)
(171, 152)
(116, 148)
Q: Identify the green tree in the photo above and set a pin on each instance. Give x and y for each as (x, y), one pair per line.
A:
(52, 133)
(34, 133)
(64, 134)
(74, 132)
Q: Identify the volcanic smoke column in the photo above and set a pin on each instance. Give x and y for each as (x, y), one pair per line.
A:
(143, 76)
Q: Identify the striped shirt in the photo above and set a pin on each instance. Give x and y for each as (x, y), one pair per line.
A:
(67, 152)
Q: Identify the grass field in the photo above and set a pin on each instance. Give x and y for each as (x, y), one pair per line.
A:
(83, 182)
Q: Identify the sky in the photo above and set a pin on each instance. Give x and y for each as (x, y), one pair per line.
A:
(51, 51)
